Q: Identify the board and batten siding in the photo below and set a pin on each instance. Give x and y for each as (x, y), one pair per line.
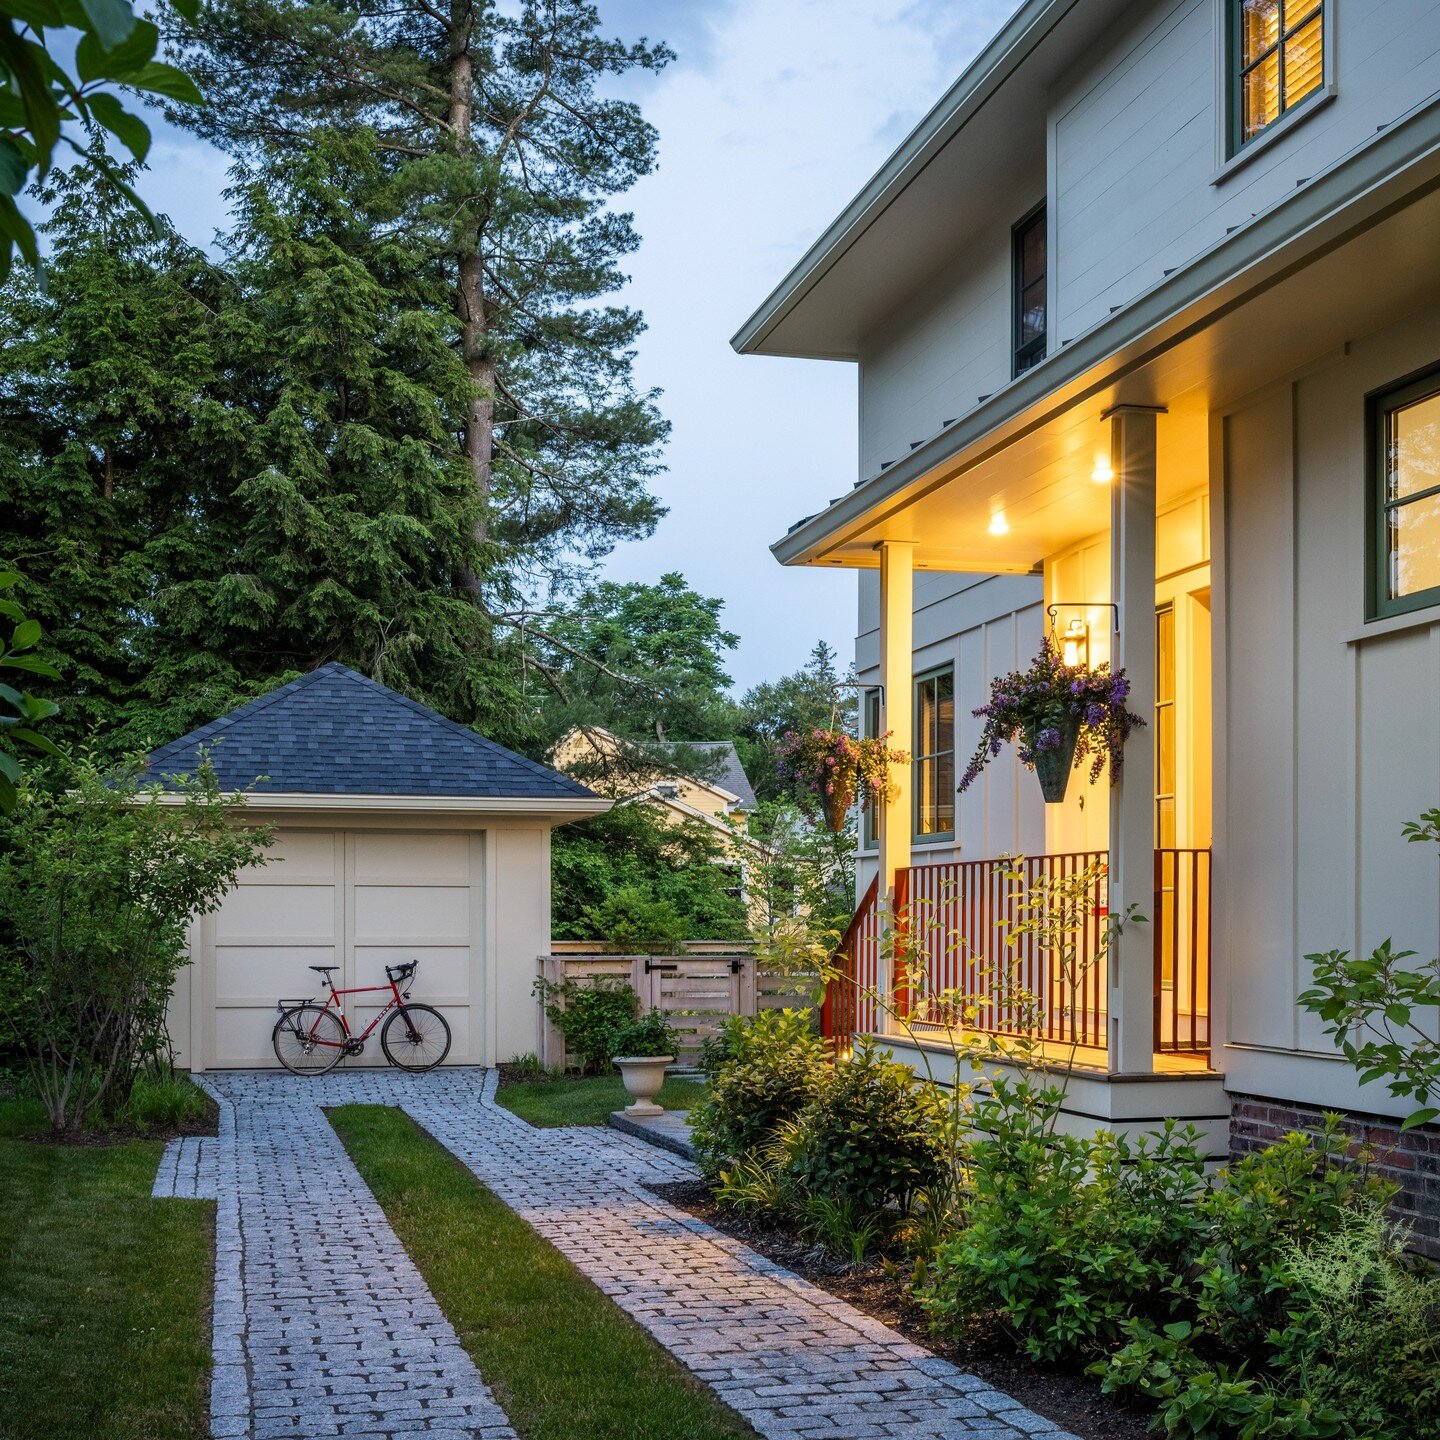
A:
(1138, 178)
(984, 626)
(1332, 729)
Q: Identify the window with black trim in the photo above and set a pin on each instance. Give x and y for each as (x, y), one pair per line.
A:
(934, 767)
(870, 728)
(1277, 52)
(1029, 285)
(1405, 497)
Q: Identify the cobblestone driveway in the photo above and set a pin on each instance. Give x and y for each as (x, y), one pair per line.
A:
(324, 1328)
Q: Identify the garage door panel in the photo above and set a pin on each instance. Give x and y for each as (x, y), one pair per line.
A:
(278, 915)
(411, 915)
(456, 1016)
(444, 970)
(411, 859)
(298, 857)
(242, 1035)
(265, 973)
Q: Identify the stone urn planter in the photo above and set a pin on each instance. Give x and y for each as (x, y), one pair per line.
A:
(643, 1076)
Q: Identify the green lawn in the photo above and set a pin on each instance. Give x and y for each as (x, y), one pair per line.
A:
(561, 1358)
(587, 1101)
(104, 1292)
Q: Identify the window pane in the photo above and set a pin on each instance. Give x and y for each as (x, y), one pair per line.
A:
(1304, 62)
(1261, 102)
(1414, 536)
(1413, 445)
(1165, 654)
(944, 792)
(1259, 27)
(1032, 251)
(1165, 751)
(1032, 312)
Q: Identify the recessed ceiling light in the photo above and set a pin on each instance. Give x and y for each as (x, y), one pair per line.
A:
(999, 525)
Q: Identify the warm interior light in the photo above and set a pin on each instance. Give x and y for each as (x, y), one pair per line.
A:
(1102, 474)
(1076, 642)
(999, 525)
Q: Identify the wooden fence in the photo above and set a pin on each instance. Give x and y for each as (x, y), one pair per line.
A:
(697, 991)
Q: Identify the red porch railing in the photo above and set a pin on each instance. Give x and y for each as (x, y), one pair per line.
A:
(956, 919)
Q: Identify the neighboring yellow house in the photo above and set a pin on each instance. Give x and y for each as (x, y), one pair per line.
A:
(722, 800)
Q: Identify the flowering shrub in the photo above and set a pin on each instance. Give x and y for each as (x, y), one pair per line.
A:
(838, 769)
(1037, 708)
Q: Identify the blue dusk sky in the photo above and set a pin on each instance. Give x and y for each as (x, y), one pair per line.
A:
(771, 118)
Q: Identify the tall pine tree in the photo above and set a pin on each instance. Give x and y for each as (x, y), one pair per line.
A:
(503, 154)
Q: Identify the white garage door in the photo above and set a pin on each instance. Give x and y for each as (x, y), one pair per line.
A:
(356, 899)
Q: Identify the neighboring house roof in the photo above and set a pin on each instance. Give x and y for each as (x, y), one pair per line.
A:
(732, 833)
(335, 732)
(723, 769)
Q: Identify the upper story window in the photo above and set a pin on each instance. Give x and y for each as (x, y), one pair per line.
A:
(1029, 282)
(1278, 60)
(870, 727)
(934, 771)
(1405, 498)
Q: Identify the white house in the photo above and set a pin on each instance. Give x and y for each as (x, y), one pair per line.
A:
(398, 835)
(1146, 313)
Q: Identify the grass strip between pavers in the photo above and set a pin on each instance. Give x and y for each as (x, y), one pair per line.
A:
(563, 1360)
(586, 1101)
(104, 1292)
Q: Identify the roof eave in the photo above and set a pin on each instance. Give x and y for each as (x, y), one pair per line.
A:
(571, 807)
(982, 77)
(1394, 168)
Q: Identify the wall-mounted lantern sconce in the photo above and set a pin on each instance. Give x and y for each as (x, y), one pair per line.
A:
(1075, 642)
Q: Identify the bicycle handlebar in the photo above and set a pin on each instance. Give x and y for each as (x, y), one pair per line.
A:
(402, 971)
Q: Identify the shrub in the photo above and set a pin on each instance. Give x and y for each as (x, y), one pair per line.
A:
(589, 1014)
(1066, 1238)
(98, 882)
(772, 1064)
(869, 1135)
(162, 1098)
(650, 1035)
(632, 921)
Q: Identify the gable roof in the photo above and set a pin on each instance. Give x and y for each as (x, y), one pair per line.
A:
(336, 732)
(723, 768)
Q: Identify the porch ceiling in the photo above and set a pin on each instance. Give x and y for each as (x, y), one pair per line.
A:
(1034, 462)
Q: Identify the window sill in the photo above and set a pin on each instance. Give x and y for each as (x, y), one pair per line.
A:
(1273, 133)
(1394, 625)
(926, 840)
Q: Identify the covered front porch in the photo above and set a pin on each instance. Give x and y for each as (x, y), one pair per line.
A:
(1112, 508)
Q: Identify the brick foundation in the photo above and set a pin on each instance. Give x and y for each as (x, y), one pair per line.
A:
(1410, 1158)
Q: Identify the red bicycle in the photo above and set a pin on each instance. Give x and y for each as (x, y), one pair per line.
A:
(311, 1038)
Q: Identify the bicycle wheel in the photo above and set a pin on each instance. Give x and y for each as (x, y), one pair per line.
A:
(309, 1039)
(415, 1037)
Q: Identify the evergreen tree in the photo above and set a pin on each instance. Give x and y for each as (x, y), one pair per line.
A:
(815, 696)
(503, 155)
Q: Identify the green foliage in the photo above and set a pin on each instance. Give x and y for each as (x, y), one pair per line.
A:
(869, 1136)
(113, 49)
(649, 1035)
(772, 1064)
(817, 696)
(1064, 1238)
(666, 633)
(633, 921)
(634, 848)
(589, 1014)
(20, 712)
(99, 879)
(162, 1098)
(1382, 1014)
(1357, 1351)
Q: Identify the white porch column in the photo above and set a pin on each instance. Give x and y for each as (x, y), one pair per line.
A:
(897, 648)
(1132, 801)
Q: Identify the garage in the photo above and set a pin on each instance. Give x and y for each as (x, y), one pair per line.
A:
(398, 835)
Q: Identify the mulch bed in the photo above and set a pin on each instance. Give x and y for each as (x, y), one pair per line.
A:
(1068, 1398)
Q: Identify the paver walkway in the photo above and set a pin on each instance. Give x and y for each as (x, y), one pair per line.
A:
(794, 1360)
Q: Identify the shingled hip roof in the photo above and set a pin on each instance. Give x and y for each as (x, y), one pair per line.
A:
(336, 732)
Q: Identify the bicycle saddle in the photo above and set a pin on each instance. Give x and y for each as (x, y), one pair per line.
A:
(324, 969)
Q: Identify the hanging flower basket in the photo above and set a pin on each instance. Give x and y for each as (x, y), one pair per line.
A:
(837, 769)
(1057, 715)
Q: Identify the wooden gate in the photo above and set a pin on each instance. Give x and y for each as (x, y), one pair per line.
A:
(697, 993)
